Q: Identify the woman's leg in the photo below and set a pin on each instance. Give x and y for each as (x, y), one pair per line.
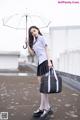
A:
(42, 95)
(44, 99)
(44, 107)
(46, 102)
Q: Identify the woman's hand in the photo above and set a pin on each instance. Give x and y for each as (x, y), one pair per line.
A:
(49, 64)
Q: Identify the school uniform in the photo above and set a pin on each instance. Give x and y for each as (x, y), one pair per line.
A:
(39, 44)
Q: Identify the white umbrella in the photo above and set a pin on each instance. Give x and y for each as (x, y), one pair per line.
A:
(23, 22)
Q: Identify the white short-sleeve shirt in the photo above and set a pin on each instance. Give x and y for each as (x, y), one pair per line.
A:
(39, 48)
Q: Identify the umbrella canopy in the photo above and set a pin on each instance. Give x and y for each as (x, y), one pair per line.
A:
(18, 21)
(23, 22)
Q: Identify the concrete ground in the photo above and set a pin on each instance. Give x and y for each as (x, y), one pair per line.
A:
(19, 96)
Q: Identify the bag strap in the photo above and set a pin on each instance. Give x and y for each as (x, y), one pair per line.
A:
(55, 74)
(49, 85)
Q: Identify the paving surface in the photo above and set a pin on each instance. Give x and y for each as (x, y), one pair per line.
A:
(19, 96)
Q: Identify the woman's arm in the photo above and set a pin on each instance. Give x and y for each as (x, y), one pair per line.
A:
(31, 51)
(48, 56)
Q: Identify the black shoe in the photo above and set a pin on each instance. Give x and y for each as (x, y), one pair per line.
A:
(38, 113)
(46, 113)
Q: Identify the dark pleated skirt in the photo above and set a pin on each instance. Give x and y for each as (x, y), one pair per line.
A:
(42, 68)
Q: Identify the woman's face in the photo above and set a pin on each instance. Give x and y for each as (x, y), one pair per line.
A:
(34, 32)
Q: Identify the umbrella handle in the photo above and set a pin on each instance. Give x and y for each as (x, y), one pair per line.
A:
(25, 45)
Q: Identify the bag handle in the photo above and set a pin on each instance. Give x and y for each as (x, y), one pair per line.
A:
(55, 75)
(54, 72)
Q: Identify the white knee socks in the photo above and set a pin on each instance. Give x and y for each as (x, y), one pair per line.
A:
(44, 102)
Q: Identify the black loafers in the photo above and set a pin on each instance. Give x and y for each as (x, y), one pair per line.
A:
(45, 113)
(38, 113)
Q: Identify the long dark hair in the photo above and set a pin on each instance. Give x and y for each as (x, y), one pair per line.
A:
(30, 37)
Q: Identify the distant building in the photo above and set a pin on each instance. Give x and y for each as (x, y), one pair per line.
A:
(65, 48)
(9, 60)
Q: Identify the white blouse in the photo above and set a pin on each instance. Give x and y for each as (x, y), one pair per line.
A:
(39, 48)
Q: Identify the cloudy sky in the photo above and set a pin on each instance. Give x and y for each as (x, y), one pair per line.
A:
(59, 12)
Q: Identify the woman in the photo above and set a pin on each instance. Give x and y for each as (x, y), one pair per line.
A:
(39, 46)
